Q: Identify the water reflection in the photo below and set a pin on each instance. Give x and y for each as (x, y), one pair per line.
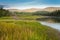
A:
(53, 25)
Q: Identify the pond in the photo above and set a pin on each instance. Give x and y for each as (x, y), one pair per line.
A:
(53, 25)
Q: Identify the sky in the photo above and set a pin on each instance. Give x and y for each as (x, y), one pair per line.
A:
(22, 4)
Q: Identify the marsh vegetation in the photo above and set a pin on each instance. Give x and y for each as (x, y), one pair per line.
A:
(25, 26)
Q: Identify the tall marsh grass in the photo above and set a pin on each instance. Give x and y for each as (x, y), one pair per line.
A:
(20, 30)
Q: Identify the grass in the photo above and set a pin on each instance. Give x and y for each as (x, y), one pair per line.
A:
(25, 30)
(22, 17)
(23, 26)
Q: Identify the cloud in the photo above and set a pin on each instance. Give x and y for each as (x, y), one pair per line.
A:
(33, 3)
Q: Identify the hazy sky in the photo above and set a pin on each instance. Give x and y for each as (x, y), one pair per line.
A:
(29, 3)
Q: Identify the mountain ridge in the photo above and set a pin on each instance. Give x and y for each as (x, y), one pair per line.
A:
(49, 9)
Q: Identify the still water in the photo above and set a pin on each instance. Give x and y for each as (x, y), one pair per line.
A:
(53, 25)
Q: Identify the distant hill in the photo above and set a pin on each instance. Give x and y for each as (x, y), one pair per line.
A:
(14, 10)
(31, 10)
(25, 10)
(50, 9)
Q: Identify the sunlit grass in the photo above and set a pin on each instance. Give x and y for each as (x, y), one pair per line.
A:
(25, 30)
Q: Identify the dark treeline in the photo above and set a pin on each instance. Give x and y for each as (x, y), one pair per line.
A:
(45, 13)
(55, 15)
(42, 13)
(4, 12)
